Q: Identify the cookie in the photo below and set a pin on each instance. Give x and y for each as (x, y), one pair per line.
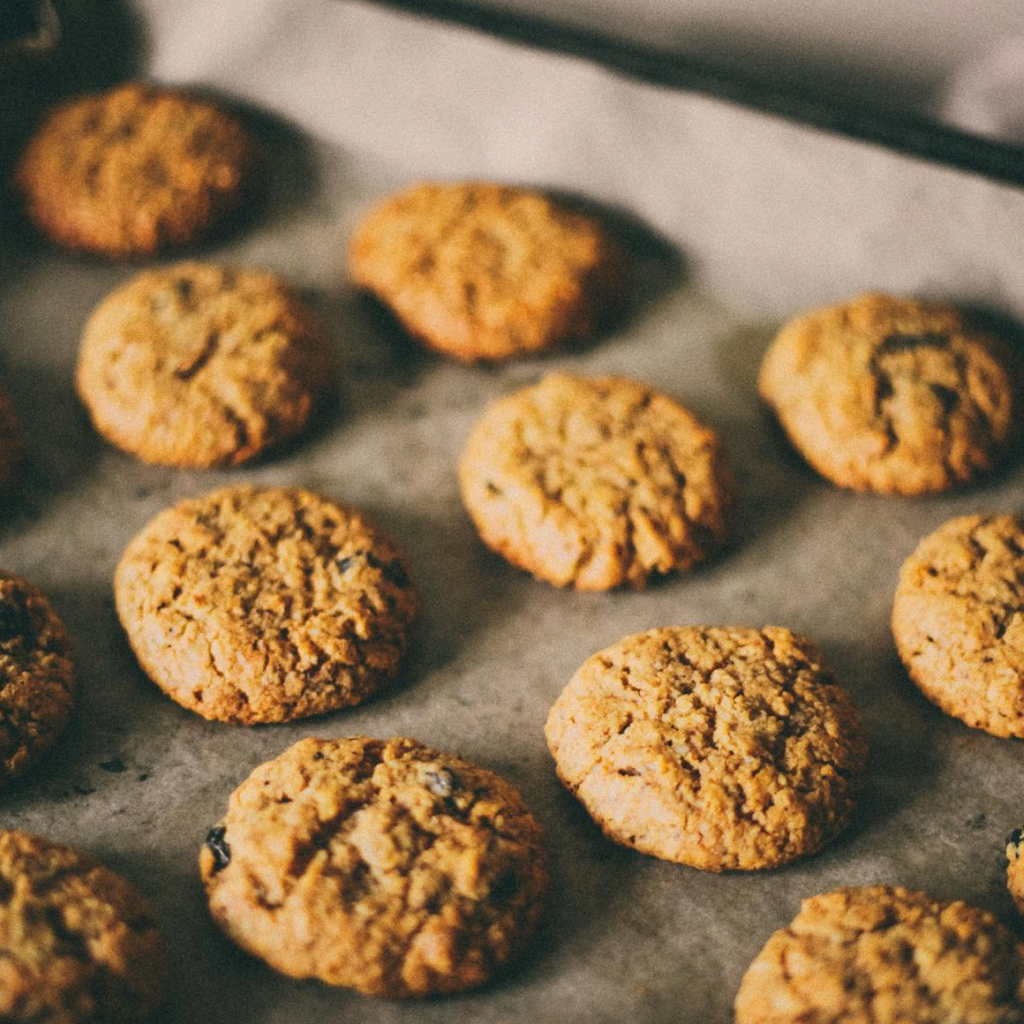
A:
(11, 446)
(958, 621)
(721, 748)
(891, 395)
(78, 944)
(36, 676)
(486, 272)
(1015, 867)
(134, 170)
(265, 604)
(881, 953)
(197, 365)
(378, 865)
(595, 482)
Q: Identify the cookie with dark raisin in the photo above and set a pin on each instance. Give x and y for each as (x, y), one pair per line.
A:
(265, 604)
(406, 871)
(36, 676)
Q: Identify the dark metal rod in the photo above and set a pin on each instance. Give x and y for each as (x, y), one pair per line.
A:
(906, 133)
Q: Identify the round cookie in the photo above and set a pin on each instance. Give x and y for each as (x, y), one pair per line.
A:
(890, 395)
(11, 445)
(80, 945)
(880, 953)
(264, 604)
(483, 272)
(197, 365)
(36, 676)
(958, 621)
(378, 865)
(134, 170)
(595, 482)
(721, 748)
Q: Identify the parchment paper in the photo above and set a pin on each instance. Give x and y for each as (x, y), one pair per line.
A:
(744, 221)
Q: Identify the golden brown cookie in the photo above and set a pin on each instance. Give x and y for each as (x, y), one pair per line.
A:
(197, 365)
(379, 865)
(12, 445)
(958, 621)
(1015, 867)
(265, 604)
(721, 748)
(78, 944)
(891, 395)
(36, 676)
(595, 482)
(134, 170)
(885, 954)
(480, 271)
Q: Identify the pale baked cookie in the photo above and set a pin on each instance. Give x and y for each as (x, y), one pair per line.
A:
(198, 365)
(1015, 867)
(891, 395)
(78, 944)
(721, 748)
(379, 865)
(885, 954)
(134, 170)
(265, 604)
(36, 676)
(12, 445)
(595, 482)
(958, 621)
(480, 271)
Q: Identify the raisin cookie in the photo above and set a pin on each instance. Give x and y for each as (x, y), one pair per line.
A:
(958, 621)
(891, 395)
(721, 748)
(11, 445)
(36, 676)
(596, 482)
(265, 604)
(134, 170)
(382, 866)
(200, 366)
(480, 271)
(880, 953)
(78, 944)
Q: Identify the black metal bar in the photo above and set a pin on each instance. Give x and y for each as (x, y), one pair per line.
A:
(907, 133)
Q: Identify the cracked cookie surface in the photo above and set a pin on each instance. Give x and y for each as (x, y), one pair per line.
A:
(379, 865)
(265, 604)
(595, 482)
(134, 170)
(881, 954)
(36, 676)
(891, 395)
(482, 272)
(721, 748)
(12, 446)
(198, 365)
(78, 944)
(958, 621)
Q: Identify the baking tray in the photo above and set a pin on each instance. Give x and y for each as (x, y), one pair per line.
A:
(738, 219)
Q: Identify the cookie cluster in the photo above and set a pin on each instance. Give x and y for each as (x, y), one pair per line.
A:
(396, 869)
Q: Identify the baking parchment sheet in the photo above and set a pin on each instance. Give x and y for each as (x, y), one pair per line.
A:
(738, 221)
